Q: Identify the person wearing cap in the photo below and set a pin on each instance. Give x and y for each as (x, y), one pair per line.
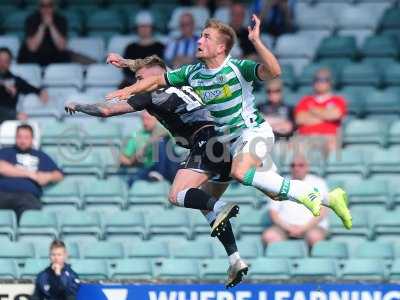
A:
(145, 46)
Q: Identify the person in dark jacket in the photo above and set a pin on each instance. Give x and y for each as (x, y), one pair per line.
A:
(58, 281)
(11, 86)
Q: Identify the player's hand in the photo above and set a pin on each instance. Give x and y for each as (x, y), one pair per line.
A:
(116, 60)
(57, 269)
(254, 32)
(70, 108)
(122, 94)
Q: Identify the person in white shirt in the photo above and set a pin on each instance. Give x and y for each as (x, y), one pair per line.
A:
(294, 221)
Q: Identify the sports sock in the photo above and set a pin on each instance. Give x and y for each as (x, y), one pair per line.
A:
(272, 182)
(197, 199)
(233, 258)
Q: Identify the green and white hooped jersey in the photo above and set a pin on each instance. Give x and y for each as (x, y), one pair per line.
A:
(226, 91)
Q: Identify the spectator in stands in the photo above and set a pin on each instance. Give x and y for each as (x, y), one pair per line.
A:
(145, 46)
(58, 281)
(11, 86)
(182, 50)
(140, 151)
(278, 114)
(23, 173)
(276, 15)
(291, 220)
(45, 37)
(237, 21)
(320, 115)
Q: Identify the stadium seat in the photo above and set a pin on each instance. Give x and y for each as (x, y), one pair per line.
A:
(346, 161)
(363, 269)
(313, 19)
(18, 251)
(81, 161)
(63, 75)
(92, 47)
(92, 269)
(391, 19)
(394, 271)
(385, 161)
(355, 98)
(288, 76)
(253, 222)
(317, 269)
(102, 250)
(124, 224)
(171, 222)
(189, 249)
(383, 102)
(148, 249)
(359, 34)
(376, 250)
(369, 191)
(145, 193)
(298, 63)
(213, 269)
(380, 46)
(80, 223)
(360, 226)
(56, 133)
(294, 45)
(287, 249)
(103, 75)
(360, 74)
(104, 20)
(8, 224)
(15, 21)
(74, 20)
(11, 42)
(242, 195)
(118, 43)
(365, 132)
(391, 75)
(101, 133)
(356, 17)
(32, 267)
(394, 133)
(269, 269)
(386, 223)
(337, 46)
(182, 269)
(30, 72)
(109, 193)
(329, 249)
(62, 193)
(8, 269)
(132, 269)
(37, 223)
(199, 224)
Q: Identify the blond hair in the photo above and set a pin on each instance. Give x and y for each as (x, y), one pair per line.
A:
(226, 31)
(149, 61)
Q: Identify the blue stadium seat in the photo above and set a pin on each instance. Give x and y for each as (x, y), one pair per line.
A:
(63, 193)
(380, 46)
(103, 21)
(32, 267)
(182, 269)
(363, 269)
(15, 21)
(394, 133)
(18, 251)
(8, 269)
(102, 250)
(81, 224)
(384, 161)
(170, 222)
(360, 225)
(124, 224)
(287, 249)
(189, 249)
(359, 74)
(213, 269)
(376, 250)
(269, 269)
(145, 193)
(330, 249)
(253, 222)
(346, 161)
(391, 75)
(148, 249)
(337, 46)
(8, 224)
(382, 102)
(92, 269)
(242, 195)
(132, 269)
(369, 191)
(103, 75)
(63, 75)
(365, 132)
(30, 72)
(199, 224)
(317, 269)
(39, 224)
(92, 47)
(394, 271)
(386, 223)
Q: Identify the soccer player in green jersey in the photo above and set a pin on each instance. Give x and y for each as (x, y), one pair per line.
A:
(226, 88)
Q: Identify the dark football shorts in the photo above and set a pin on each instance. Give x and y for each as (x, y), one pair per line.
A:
(207, 155)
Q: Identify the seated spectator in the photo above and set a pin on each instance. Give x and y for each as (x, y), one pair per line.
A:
(237, 21)
(23, 173)
(145, 46)
(182, 50)
(277, 16)
(11, 86)
(276, 112)
(140, 151)
(58, 281)
(45, 37)
(292, 220)
(320, 115)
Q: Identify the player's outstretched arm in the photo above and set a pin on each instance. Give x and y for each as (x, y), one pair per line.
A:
(99, 109)
(270, 67)
(148, 84)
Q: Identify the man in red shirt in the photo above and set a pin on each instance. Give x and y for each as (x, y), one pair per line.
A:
(320, 115)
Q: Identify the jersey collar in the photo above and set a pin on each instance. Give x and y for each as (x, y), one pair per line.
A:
(216, 70)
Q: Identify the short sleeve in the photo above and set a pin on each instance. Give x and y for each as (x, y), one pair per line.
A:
(130, 148)
(47, 164)
(302, 106)
(140, 102)
(341, 105)
(178, 77)
(248, 68)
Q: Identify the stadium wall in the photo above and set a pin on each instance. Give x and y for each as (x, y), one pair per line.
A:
(218, 292)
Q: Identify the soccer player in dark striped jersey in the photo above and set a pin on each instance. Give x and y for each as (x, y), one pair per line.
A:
(181, 111)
